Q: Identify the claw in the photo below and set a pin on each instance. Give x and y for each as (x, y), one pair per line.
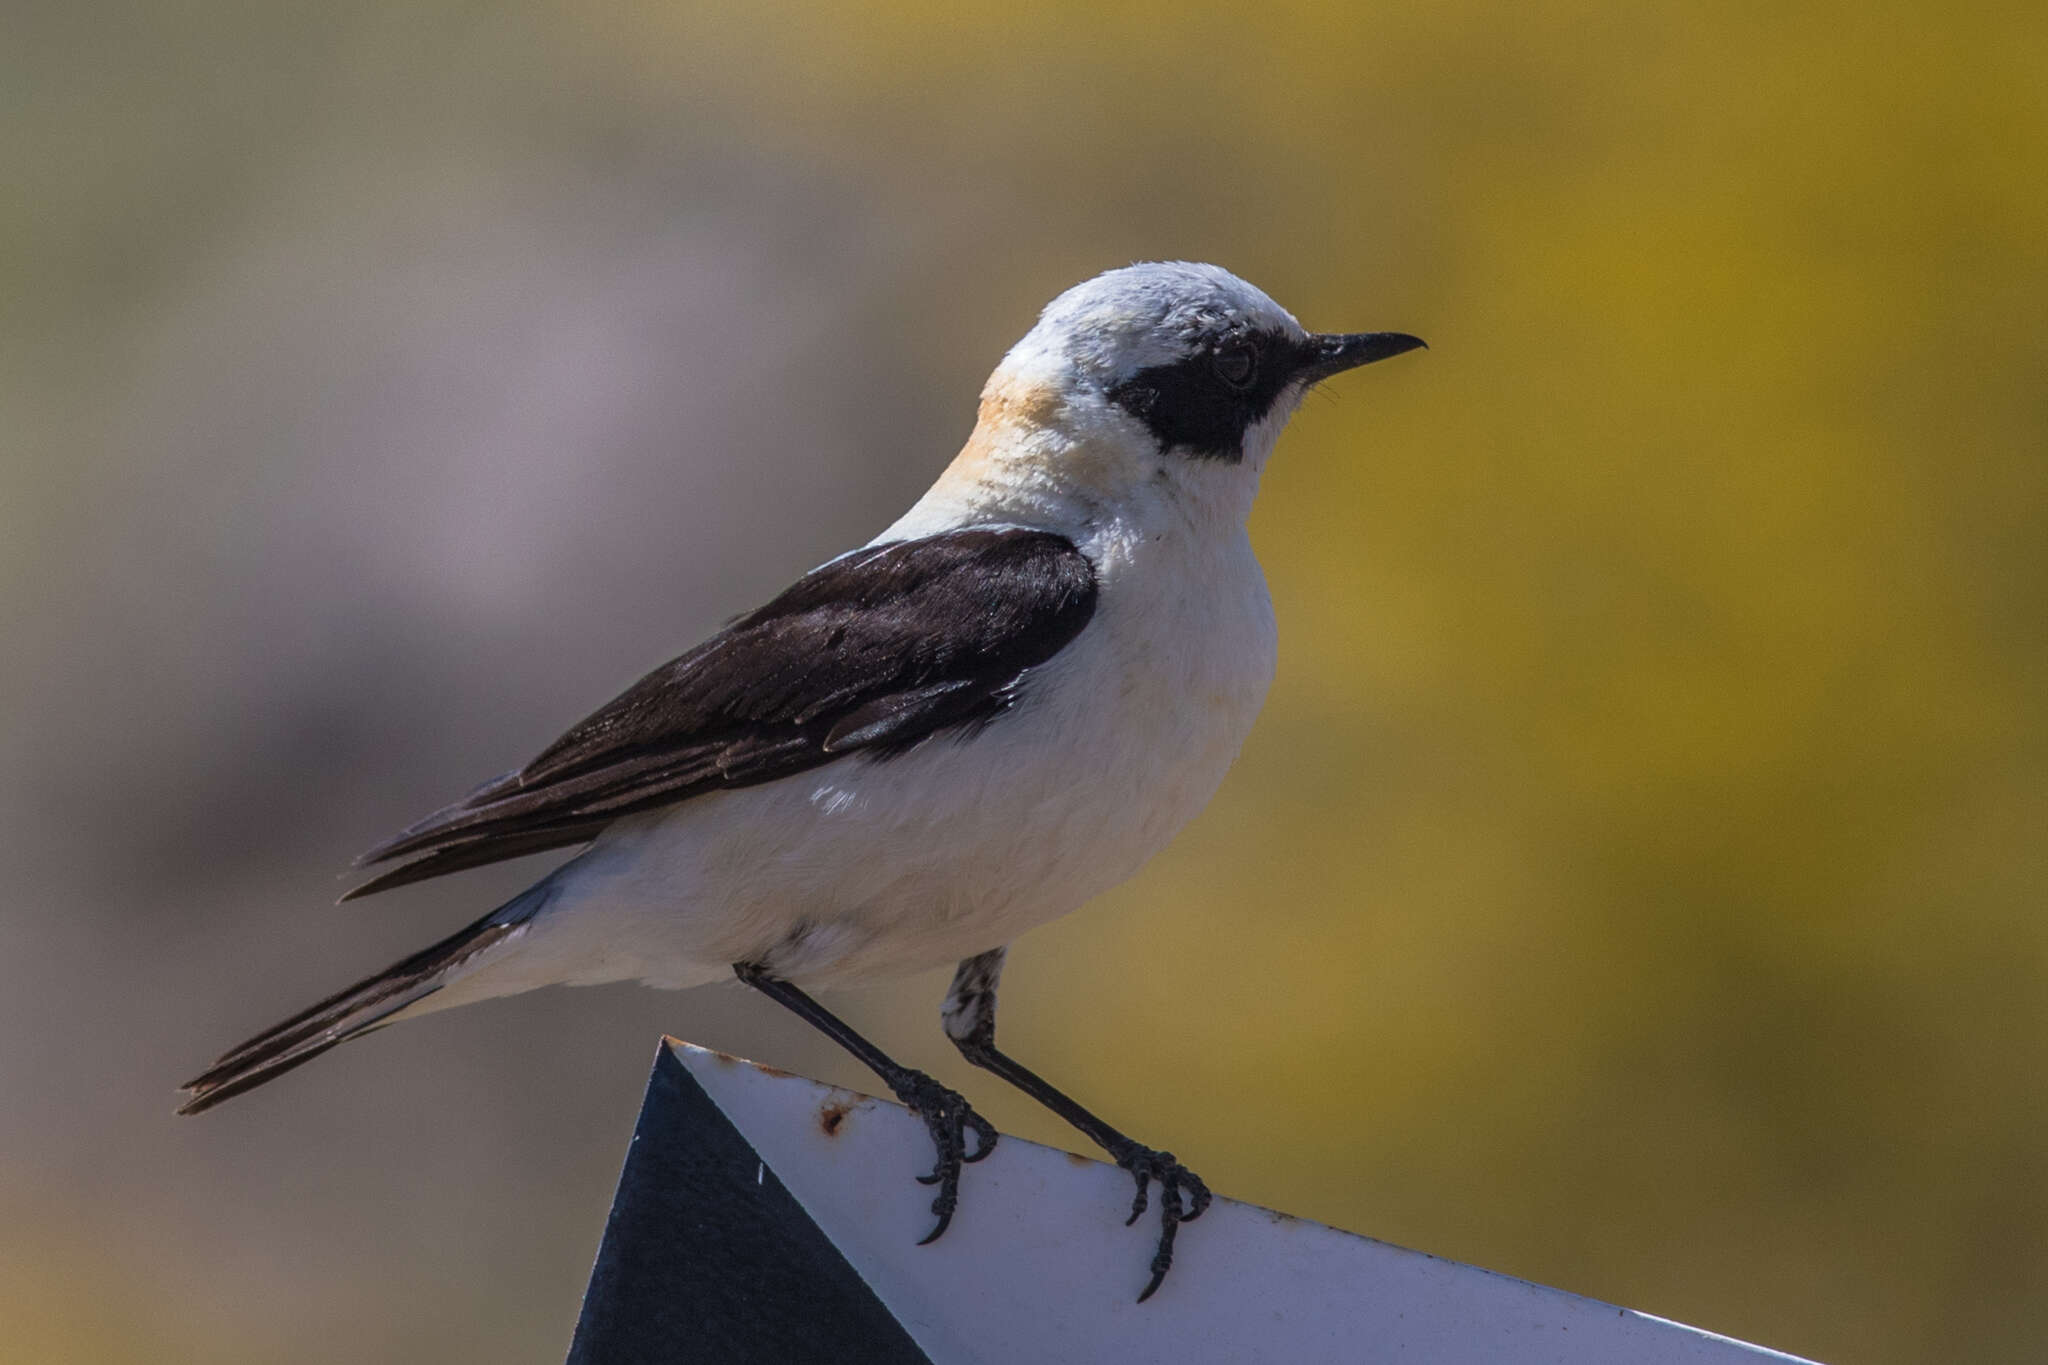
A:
(948, 1119)
(939, 1228)
(1146, 1165)
(1138, 1204)
(984, 1135)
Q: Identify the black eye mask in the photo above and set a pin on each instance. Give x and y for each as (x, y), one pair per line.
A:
(1201, 404)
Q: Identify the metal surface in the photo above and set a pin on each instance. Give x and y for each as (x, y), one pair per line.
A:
(1038, 1267)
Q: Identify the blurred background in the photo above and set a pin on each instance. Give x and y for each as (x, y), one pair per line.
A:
(1635, 883)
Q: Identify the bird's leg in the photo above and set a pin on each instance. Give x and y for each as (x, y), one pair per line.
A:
(969, 1015)
(945, 1112)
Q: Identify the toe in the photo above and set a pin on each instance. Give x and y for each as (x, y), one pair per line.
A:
(1143, 1197)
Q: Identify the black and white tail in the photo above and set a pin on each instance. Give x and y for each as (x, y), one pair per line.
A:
(363, 1007)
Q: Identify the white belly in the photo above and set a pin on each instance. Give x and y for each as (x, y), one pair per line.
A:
(867, 868)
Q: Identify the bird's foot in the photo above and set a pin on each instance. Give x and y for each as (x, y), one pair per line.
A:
(1147, 1165)
(949, 1119)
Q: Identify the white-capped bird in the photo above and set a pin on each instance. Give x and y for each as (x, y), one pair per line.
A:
(997, 709)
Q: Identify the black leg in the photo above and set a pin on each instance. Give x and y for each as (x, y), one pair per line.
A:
(945, 1113)
(969, 1015)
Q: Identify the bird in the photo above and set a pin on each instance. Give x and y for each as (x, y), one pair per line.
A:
(1000, 707)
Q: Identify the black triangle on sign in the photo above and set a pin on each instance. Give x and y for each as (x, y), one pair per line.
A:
(707, 1257)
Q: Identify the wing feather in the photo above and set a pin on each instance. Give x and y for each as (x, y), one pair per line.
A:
(873, 652)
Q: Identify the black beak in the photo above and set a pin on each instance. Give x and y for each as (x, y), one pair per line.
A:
(1334, 352)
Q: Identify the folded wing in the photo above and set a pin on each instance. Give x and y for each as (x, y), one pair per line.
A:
(871, 653)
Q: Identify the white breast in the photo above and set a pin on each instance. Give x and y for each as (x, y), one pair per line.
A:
(866, 868)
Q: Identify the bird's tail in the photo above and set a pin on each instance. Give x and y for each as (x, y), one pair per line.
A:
(363, 1007)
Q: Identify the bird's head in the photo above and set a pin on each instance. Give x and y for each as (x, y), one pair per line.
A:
(1163, 372)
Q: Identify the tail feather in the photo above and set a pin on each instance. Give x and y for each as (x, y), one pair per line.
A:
(367, 1005)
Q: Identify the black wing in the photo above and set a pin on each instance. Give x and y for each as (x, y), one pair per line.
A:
(870, 653)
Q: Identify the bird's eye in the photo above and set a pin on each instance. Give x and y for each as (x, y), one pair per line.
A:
(1235, 365)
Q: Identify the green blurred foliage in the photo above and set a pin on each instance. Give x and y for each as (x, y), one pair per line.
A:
(1636, 881)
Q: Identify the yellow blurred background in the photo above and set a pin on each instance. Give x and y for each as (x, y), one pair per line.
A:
(1635, 883)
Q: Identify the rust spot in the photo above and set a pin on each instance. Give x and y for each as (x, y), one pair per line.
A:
(777, 1072)
(832, 1115)
(1078, 1159)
